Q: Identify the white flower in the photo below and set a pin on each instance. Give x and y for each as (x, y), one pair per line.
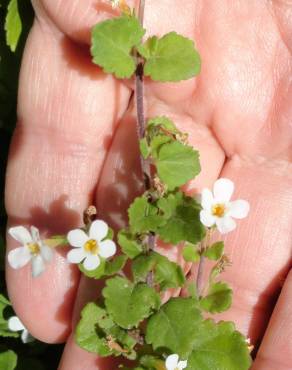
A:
(219, 210)
(33, 249)
(115, 3)
(14, 324)
(172, 363)
(90, 247)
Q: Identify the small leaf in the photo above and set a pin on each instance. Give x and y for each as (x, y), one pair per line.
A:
(171, 58)
(115, 265)
(8, 360)
(98, 273)
(174, 326)
(163, 124)
(87, 335)
(219, 346)
(214, 252)
(106, 267)
(129, 244)
(143, 216)
(166, 273)
(182, 216)
(56, 241)
(144, 148)
(112, 43)
(127, 303)
(218, 299)
(177, 164)
(13, 25)
(190, 253)
(156, 144)
(97, 333)
(152, 362)
(4, 330)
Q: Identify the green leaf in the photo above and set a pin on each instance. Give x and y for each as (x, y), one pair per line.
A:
(218, 299)
(174, 326)
(106, 268)
(182, 216)
(8, 360)
(214, 252)
(13, 25)
(166, 273)
(171, 58)
(57, 241)
(112, 43)
(161, 124)
(129, 304)
(143, 216)
(190, 253)
(144, 148)
(177, 163)
(129, 244)
(87, 333)
(115, 265)
(97, 333)
(156, 144)
(219, 346)
(152, 362)
(98, 273)
(4, 330)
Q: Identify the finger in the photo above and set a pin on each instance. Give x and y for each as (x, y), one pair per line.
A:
(67, 114)
(260, 247)
(276, 349)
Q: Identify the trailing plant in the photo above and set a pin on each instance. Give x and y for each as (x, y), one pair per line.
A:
(132, 318)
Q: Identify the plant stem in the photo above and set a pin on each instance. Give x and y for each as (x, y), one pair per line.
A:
(200, 275)
(145, 165)
(141, 127)
(141, 11)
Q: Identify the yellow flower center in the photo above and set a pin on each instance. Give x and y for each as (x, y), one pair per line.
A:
(34, 248)
(91, 246)
(218, 210)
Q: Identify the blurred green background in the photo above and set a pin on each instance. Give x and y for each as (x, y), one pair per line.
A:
(13, 353)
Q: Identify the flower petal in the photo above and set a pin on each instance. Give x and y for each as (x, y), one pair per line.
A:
(77, 238)
(38, 266)
(35, 233)
(98, 230)
(225, 224)
(239, 208)
(46, 252)
(76, 255)
(182, 365)
(107, 248)
(223, 190)
(21, 234)
(14, 324)
(171, 362)
(207, 218)
(26, 337)
(207, 199)
(19, 257)
(91, 262)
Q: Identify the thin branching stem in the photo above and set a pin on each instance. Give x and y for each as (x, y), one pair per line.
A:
(141, 126)
(200, 273)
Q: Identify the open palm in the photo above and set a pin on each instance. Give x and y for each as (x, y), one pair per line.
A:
(75, 144)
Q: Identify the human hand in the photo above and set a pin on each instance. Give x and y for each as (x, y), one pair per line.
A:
(76, 144)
